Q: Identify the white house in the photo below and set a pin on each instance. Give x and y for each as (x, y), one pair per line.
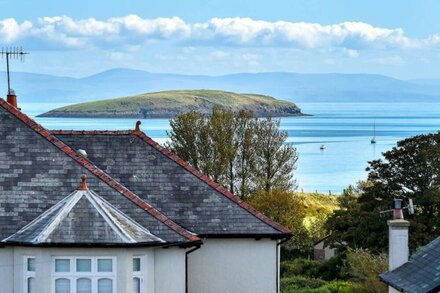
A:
(113, 211)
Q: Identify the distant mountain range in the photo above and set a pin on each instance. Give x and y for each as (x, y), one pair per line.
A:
(293, 87)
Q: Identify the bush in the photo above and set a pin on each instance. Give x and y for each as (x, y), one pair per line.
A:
(297, 282)
(326, 270)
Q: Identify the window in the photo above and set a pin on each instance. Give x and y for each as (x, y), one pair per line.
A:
(84, 275)
(138, 274)
(29, 275)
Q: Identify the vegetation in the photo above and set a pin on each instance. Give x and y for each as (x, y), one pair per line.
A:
(353, 272)
(409, 170)
(167, 104)
(304, 214)
(243, 153)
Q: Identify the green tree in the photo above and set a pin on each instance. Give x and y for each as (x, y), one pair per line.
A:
(275, 159)
(241, 152)
(409, 170)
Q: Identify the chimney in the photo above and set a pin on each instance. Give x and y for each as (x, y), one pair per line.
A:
(398, 239)
(12, 98)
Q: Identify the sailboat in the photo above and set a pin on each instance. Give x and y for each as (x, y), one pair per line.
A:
(373, 140)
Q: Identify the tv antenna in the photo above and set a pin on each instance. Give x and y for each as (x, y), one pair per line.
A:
(399, 209)
(12, 53)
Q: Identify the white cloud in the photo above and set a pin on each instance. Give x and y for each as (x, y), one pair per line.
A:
(11, 30)
(133, 30)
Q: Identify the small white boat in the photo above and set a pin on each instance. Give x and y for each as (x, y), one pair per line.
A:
(322, 147)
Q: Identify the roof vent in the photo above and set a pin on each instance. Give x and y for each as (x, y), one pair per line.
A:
(82, 153)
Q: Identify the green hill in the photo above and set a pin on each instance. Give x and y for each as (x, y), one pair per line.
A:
(169, 103)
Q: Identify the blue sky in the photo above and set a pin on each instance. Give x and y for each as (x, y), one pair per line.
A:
(77, 38)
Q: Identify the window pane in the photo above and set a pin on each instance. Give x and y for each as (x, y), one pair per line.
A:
(83, 265)
(62, 286)
(31, 286)
(83, 286)
(105, 286)
(136, 264)
(31, 264)
(62, 265)
(136, 285)
(105, 265)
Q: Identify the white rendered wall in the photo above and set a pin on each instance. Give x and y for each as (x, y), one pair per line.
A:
(233, 266)
(6, 269)
(168, 263)
(170, 270)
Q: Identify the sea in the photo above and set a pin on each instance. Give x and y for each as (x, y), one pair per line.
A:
(345, 129)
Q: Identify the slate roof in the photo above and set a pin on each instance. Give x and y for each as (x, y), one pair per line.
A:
(37, 171)
(420, 274)
(83, 217)
(171, 185)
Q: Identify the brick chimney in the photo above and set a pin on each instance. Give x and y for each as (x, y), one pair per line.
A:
(12, 98)
(398, 239)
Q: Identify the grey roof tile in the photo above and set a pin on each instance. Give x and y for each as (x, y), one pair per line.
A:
(42, 175)
(165, 184)
(420, 274)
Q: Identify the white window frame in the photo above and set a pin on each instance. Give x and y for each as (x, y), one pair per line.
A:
(28, 274)
(142, 273)
(94, 275)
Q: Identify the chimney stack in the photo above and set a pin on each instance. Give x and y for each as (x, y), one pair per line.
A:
(12, 98)
(398, 239)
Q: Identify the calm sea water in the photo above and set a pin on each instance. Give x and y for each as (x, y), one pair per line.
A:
(346, 130)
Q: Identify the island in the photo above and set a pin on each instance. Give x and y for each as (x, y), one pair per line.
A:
(167, 104)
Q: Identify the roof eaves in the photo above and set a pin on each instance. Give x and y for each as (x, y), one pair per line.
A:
(98, 172)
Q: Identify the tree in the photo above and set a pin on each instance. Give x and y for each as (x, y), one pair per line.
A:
(235, 149)
(287, 209)
(409, 170)
(275, 159)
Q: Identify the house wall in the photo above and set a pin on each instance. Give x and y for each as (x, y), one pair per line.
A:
(167, 264)
(233, 266)
(170, 270)
(6, 269)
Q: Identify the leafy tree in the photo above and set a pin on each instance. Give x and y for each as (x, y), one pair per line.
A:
(235, 149)
(287, 209)
(409, 170)
(275, 159)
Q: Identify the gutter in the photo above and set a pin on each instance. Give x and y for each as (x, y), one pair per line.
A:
(278, 262)
(186, 265)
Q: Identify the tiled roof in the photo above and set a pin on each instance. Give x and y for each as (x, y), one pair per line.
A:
(83, 217)
(173, 186)
(420, 274)
(37, 170)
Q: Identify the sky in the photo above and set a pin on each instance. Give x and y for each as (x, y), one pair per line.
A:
(398, 38)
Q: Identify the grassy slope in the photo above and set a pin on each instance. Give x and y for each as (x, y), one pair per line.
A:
(181, 99)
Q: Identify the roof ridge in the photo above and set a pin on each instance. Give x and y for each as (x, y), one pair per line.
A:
(218, 187)
(90, 132)
(100, 174)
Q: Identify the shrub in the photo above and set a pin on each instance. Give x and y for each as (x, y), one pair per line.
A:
(298, 282)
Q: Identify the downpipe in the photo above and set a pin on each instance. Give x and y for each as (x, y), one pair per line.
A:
(278, 263)
(186, 266)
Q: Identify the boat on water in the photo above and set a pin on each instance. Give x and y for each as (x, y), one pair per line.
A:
(322, 147)
(373, 140)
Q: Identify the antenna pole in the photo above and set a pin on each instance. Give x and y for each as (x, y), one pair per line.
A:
(16, 53)
(7, 72)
